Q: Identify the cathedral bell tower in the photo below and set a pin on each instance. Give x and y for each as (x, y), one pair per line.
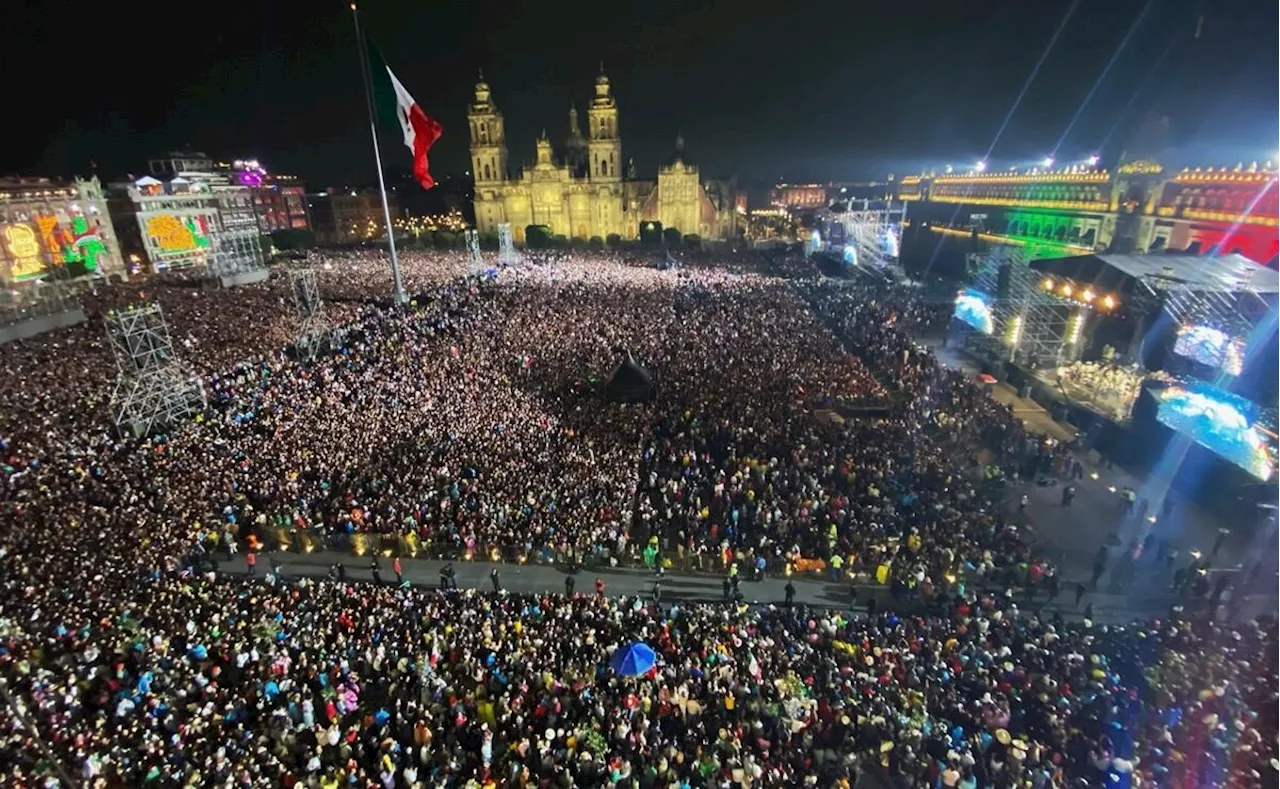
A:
(575, 147)
(488, 138)
(603, 143)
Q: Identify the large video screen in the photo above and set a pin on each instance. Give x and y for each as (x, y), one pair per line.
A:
(1212, 347)
(974, 308)
(1220, 421)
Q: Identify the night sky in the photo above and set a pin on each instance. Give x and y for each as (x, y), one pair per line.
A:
(794, 90)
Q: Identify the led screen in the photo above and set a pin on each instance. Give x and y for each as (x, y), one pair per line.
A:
(972, 307)
(1219, 421)
(1212, 347)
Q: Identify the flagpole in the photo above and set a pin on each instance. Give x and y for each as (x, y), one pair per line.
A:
(377, 156)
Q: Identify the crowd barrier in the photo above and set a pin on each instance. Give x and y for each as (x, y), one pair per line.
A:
(360, 545)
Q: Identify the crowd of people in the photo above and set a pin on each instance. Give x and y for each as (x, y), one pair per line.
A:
(790, 419)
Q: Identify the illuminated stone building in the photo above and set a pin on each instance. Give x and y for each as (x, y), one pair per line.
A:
(799, 196)
(346, 216)
(193, 219)
(279, 200)
(50, 227)
(589, 191)
(1138, 208)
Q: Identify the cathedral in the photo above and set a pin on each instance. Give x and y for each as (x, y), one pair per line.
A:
(584, 192)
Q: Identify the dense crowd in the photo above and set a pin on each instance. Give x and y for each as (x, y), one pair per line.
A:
(790, 420)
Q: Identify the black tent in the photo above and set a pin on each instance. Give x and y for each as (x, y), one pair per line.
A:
(629, 383)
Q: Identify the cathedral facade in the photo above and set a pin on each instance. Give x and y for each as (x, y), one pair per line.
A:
(586, 191)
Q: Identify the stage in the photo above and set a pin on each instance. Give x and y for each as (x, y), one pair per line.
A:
(1161, 362)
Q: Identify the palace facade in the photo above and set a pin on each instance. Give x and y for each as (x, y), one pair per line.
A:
(1140, 208)
(587, 191)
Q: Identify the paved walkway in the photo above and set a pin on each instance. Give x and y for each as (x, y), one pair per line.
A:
(682, 588)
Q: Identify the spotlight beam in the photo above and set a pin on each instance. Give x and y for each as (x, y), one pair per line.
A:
(1103, 76)
(1031, 77)
(1008, 115)
(1155, 68)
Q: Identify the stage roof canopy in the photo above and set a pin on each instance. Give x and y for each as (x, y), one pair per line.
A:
(1168, 273)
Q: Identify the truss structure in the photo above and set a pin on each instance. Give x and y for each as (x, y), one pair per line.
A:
(1236, 313)
(311, 326)
(154, 389)
(506, 248)
(1030, 326)
(869, 234)
(475, 264)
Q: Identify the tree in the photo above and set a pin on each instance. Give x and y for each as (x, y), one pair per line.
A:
(537, 237)
(671, 236)
(560, 241)
(651, 234)
(445, 240)
(693, 241)
(489, 240)
(613, 240)
(596, 242)
(577, 243)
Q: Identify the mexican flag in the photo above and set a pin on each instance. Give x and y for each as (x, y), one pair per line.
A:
(395, 108)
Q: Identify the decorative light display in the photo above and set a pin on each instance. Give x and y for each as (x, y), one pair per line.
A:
(79, 243)
(452, 222)
(1222, 175)
(1003, 239)
(171, 234)
(1141, 167)
(1061, 176)
(85, 246)
(24, 252)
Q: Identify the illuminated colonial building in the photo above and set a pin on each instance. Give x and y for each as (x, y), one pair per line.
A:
(588, 191)
(49, 227)
(280, 201)
(194, 219)
(346, 216)
(799, 196)
(1139, 208)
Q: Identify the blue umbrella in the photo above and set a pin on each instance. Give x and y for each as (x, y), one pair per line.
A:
(633, 660)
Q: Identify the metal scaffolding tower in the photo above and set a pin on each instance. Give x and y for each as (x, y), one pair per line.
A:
(1033, 326)
(154, 388)
(311, 326)
(476, 263)
(870, 232)
(506, 248)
